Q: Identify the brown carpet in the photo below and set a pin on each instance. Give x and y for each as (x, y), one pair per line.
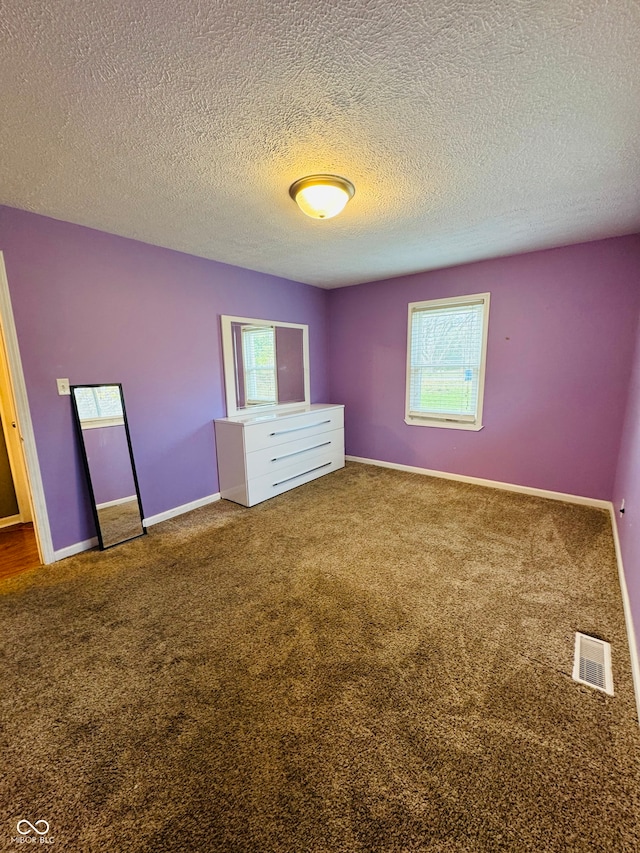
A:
(376, 661)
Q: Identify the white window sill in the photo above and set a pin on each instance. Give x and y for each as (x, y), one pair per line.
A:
(425, 422)
(99, 423)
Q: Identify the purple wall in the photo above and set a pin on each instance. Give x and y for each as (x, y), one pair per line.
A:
(96, 308)
(627, 487)
(290, 363)
(561, 337)
(109, 463)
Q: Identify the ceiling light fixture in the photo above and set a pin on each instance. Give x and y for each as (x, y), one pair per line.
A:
(322, 196)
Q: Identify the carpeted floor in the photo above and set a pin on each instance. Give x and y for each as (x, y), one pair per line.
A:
(376, 661)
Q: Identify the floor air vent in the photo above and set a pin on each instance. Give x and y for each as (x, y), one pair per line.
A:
(592, 663)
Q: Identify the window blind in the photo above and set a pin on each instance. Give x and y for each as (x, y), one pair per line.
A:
(101, 402)
(259, 350)
(445, 361)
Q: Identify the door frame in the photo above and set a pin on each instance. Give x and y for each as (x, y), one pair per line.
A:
(9, 433)
(24, 422)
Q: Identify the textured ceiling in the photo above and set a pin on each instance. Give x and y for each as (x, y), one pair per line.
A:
(470, 130)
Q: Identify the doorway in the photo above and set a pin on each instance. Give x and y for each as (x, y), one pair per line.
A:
(15, 505)
(21, 490)
(18, 543)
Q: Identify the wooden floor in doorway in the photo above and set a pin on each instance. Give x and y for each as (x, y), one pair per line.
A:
(18, 550)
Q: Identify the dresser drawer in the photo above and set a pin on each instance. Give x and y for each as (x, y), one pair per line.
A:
(270, 459)
(261, 456)
(275, 431)
(275, 483)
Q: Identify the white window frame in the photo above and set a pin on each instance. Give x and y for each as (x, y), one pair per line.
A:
(99, 423)
(449, 422)
(249, 401)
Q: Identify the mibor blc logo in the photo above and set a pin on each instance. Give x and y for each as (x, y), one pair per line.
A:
(32, 833)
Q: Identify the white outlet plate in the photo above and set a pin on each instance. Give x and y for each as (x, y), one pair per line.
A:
(63, 387)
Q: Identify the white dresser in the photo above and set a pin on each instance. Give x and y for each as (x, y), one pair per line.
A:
(260, 456)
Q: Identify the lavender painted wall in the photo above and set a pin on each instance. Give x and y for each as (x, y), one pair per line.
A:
(290, 361)
(627, 487)
(109, 463)
(95, 308)
(561, 338)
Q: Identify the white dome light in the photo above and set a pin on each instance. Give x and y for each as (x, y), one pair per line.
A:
(322, 196)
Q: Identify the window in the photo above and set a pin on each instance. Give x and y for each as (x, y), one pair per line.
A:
(99, 406)
(446, 351)
(259, 358)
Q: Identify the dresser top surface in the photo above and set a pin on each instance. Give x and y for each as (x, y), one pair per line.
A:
(262, 417)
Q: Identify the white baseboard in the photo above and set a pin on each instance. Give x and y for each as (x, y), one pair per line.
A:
(179, 510)
(10, 520)
(492, 484)
(628, 618)
(76, 548)
(87, 544)
(116, 502)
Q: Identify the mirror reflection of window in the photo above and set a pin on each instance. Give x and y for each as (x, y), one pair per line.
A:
(259, 361)
(99, 406)
(276, 356)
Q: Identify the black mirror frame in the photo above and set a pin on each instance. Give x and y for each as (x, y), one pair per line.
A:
(85, 462)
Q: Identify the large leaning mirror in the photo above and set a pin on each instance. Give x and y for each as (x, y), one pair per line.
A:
(105, 443)
(266, 364)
